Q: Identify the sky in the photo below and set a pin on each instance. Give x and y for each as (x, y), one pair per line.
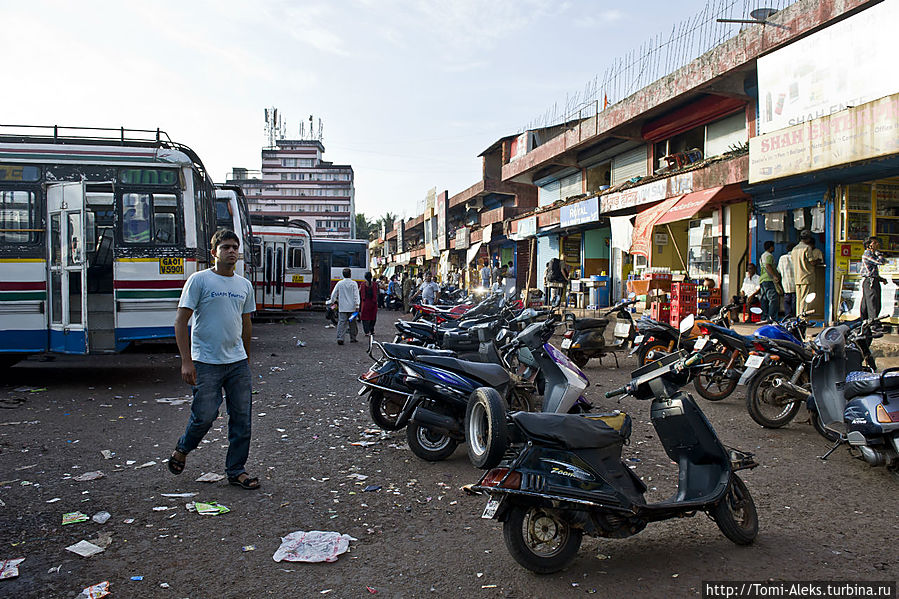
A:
(409, 91)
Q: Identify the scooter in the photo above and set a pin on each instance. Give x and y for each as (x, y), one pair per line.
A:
(566, 478)
(861, 408)
(585, 337)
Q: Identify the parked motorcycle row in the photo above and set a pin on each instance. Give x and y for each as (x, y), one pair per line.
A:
(483, 372)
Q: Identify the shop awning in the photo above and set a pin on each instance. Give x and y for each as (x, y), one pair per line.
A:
(646, 220)
(692, 203)
(472, 252)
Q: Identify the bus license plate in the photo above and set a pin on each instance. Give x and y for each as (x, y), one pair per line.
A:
(566, 343)
(754, 361)
(700, 343)
(622, 329)
(171, 266)
(490, 510)
(297, 278)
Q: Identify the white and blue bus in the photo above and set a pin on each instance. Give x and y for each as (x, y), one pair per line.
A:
(99, 229)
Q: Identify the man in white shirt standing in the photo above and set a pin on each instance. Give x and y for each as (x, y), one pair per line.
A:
(429, 291)
(215, 356)
(346, 296)
(788, 281)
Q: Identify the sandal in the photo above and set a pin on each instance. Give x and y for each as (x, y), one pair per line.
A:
(250, 484)
(176, 466)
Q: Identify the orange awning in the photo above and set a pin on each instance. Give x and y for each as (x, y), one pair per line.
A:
(645, 221)
(692, 203)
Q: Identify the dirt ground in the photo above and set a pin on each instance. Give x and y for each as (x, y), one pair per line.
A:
(417, 536)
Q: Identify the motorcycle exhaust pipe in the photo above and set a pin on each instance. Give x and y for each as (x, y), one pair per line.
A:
(440, 423)
(794, 390)
(872, 456)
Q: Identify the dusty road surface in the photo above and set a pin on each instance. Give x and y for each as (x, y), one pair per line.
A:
(418, 535)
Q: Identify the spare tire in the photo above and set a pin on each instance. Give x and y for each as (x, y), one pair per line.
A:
(485, 428)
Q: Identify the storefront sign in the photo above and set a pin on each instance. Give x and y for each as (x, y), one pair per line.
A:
(462, 239)
(527, 227)
(579, 213)
(859, 133)
(830, 70)
(660, 239)
(441, 205)
(400, 230)
(648, 193)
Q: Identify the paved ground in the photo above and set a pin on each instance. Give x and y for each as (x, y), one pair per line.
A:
(418, 536)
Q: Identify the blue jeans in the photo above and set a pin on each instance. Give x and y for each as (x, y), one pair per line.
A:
(769, 300)
(235, 379)
(789, 305)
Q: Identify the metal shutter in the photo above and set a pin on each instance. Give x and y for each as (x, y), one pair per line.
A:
(571, 185)
(547, 194)
(628, 165)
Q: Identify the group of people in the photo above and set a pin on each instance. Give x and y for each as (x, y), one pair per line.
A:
(793, 276)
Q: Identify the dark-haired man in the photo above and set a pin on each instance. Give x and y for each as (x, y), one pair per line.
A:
(768, 279)
(872, 259)
(215, 356)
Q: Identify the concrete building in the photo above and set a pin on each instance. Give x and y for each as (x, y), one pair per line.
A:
(295, 182)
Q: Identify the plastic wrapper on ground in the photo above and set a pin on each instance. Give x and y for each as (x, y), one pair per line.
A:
(313, 546)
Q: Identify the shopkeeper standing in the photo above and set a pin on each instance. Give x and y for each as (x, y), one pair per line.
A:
(805, 259)
(871, 260)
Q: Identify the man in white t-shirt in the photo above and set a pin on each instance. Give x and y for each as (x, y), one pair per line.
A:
(346, 296)
(215, 356)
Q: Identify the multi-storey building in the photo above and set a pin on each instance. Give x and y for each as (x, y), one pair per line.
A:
(295, 182)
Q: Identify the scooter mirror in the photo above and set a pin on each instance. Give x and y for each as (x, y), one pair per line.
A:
(687, 323)
(631, 295)
(810, 297)
(755, 310)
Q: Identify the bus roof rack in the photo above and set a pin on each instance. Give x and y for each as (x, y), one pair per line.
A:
(57, 134)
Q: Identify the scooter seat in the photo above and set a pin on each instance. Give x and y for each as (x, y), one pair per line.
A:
(573, 431)
(866, 383)
(493, 375)
(411, 352)
(590, 323)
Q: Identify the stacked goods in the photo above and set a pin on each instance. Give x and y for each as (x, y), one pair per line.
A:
(683, 301)
(660, 311)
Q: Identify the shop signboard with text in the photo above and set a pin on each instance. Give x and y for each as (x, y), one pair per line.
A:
(845, 64)
(647, 193)
(462, 238)
(859, 133)
(441, 204)
(527, 227)
(585, 211)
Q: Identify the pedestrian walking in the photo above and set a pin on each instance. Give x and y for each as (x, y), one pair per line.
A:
(872, 259)
(805, 258)
(370, 293)
(429, 291)
(406, 288)
(788, 281)
(215, 354)
(346, 295)
(485, 274)
(769, 278)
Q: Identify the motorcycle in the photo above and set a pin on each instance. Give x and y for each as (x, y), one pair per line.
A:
(565, 476)
(585, 337)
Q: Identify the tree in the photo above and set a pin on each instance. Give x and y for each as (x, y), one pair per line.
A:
(364, 227)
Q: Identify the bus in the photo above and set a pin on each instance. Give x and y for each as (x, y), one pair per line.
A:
(232, 212)
(99, 229)
(329, 258)
(283, 276)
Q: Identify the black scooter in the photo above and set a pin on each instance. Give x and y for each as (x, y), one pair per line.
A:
(567, 477)
(586, 337)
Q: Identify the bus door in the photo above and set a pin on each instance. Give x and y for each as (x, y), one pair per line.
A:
(273, 267)
(321, 277)
(68, 275)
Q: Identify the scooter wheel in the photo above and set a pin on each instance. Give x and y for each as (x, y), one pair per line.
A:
(429, 445)
(485, 428)
(828, 434)
(735, 514)
(384, 410)
(579, 358)
(541, 541)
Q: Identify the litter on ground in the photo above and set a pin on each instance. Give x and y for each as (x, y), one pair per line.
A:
(9, 568)
(85, 549)
(96, 591)
(74, 518)
(210, 477)
(313, 546)
(89, 476)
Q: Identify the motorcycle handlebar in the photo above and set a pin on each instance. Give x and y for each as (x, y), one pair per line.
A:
(616, 392)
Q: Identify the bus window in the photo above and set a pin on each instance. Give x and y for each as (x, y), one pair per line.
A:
(256, 255)
(223, 218)
(296, 258)
(136, 218)
(138, 227)
(18, 217)
(340, 259)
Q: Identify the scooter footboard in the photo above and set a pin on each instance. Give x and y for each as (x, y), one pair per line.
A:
(691, 442)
